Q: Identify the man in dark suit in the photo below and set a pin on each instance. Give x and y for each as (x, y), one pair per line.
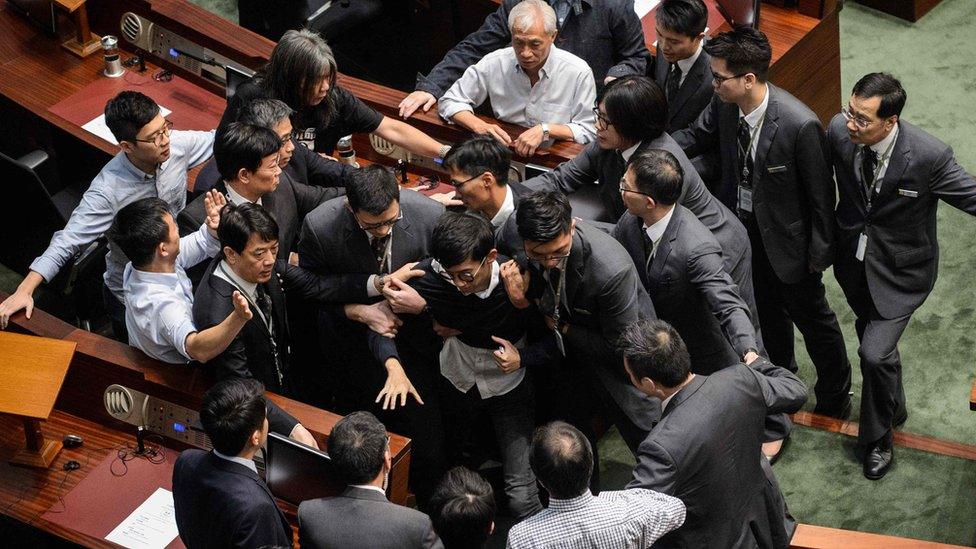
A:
(681, 65)
(891, 176)
(689, 454)
(586, 285)
(774, 173)
(355, 244)
(219, 499)
(362, 516)
(631, 118)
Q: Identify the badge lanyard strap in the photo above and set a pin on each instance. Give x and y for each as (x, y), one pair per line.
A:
(875, 184)
(753, 134)
(267, 321)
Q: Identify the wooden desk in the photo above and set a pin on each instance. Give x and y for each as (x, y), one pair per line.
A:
(910, 10)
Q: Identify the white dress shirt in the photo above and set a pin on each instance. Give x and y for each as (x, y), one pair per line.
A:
(249, 463)
(564, 94)
(369, 487)
(754, 120)
(656, 230)
(117, 185)
(237, 198)
(508, 206)
(159, 306)
(686, 64)
(883, 149)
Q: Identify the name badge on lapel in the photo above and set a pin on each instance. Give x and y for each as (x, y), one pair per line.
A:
(908, 193)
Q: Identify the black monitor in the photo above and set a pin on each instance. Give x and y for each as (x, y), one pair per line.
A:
(295, 472)
(740, 13)
(40, 12)
(235, 77)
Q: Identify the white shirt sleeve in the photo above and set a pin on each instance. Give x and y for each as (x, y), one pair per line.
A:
(196, 247)
(583, 121)
(468, 92)
(175, 325)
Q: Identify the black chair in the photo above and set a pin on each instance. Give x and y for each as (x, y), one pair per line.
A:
(33, 220)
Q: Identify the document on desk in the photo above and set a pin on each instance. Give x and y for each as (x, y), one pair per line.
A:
(151, 525)
(99, 128)
(643, 7)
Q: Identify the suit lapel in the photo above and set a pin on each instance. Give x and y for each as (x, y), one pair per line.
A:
(684, 394)
(691, 84)
(897, 164)
(358, 249)
(574, 268)
(766, 134)
(664, 246)
(633, 242)
(400, 247)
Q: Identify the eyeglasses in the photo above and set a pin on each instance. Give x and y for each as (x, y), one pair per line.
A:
(544, 258)
(466, 277)
(601, 120)
(626, 190)
(156, 138)
(381, 224)
(858, 121)
(719, 79)
(458, 184)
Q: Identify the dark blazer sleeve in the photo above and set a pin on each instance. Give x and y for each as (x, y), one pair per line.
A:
(817, 181)
(259, 525)
(655, 468)
(344, 288)
(622, 302)
(280, 421)
(951, 183)
(304, 284)
(629, 50)
(492, 35)
(322, 172)
(782, 390)
(706, 271)
(701, 138)
(307, 197)
(569, 176)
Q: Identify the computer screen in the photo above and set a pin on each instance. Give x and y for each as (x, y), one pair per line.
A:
(295, 472)
(235, 77)
(740, 13)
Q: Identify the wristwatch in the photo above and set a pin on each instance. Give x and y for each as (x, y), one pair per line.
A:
(545, 132)
(379, 282)
(443, 151)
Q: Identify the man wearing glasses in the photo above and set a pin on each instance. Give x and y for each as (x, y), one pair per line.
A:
(152, 162)
(356, 244)
(773, 171)
(586, 285)
(891, 176)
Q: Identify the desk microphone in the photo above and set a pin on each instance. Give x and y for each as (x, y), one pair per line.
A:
(173, 52)
(140, 440)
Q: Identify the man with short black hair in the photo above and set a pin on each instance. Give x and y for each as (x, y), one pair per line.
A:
(479, 169)
(774, 173)
(218, 497)
(681, 66)
(891, 176)
(711, 425)
(627, 519)
(152, 162)
(463, 509)
(362, 517)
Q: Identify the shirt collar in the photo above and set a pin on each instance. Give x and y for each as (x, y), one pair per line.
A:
(492, 284)
(368, 487)
(149, 276)
(237, 198)
(627, 153)
(573, 504)
(546, 69)
(882, 146)
(508, 206)
(227, 273)
(686, 64)
(136, 173)
(249, 463)
(656, 230)
(755, 116)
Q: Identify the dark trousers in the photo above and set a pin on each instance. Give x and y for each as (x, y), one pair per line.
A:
(116, 312)
(804, 304)
(882, 391)
(512, 417)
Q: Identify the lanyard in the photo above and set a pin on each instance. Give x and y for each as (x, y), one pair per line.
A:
(875, 183)
(753, 134)
(268, 322)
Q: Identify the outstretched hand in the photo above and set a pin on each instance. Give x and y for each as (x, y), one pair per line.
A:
(213, 202)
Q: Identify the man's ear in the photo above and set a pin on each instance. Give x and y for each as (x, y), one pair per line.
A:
(492, 255)
(126, 146)
(891, 122)
(256, 438)
(162, 250)
(488, 179)
(243, 175)
(387, 460)
(231, 255)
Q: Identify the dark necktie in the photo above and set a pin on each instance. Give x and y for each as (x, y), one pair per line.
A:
(648, 248)
(745, 155)
(672, 82)
(263, 301)
(869, 163)
(379, 250)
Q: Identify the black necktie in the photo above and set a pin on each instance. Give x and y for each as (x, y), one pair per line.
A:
(745, 155)
(648, 249)
(263, 301)
(869, 163)
(379, 250)
(672, 82)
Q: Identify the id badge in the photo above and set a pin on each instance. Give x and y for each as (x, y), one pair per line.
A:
(862, 246)
(745, 199)
(559, 343)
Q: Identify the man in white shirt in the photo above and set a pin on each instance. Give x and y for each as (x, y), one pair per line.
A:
(532, 84)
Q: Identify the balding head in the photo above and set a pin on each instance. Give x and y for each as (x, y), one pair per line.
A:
(653, 349)
(561, 459)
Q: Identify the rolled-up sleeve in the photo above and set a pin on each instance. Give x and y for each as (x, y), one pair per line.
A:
(175, 324)
(468, 92)
(583, 123)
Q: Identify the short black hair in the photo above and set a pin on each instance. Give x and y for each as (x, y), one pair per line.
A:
(478, 155)
(266, 113)
(636, 106)
(462, 509)
(232, 410)
(687, 17)
(543, 216)
(239, 221)
(240, 145)
(127, 113)
(658, 173)
(138, 229)
(655, 350)
(372, 189)
(460, 236)
(744, 50)
(562, 459)
(357, 444)
(885, 86)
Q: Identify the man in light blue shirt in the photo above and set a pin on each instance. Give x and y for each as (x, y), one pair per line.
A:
(153, 162)
(532, 84)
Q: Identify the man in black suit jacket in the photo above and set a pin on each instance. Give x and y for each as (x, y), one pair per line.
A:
(681, 65)
(689, 454)
(774, 173)
(605, 33)
(631, 118)
(219, 499)
(887, 250)
(362, 517)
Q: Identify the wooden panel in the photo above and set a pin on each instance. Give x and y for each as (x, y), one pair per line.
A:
(32, 369)
(910, 10)
(819, 537)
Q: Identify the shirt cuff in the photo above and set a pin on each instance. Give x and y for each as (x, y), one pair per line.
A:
(371, 290)
(580, 135)
(46, 267)
(180, 333)
(448, 109)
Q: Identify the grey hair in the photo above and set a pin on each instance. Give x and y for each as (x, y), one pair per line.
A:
(266, 113)
(524, 14)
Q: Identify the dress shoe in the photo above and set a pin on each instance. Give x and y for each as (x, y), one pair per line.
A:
(878, 459)
(839, 411)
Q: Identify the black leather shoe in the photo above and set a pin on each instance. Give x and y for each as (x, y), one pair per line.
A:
(878, 459)
(839, 411)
